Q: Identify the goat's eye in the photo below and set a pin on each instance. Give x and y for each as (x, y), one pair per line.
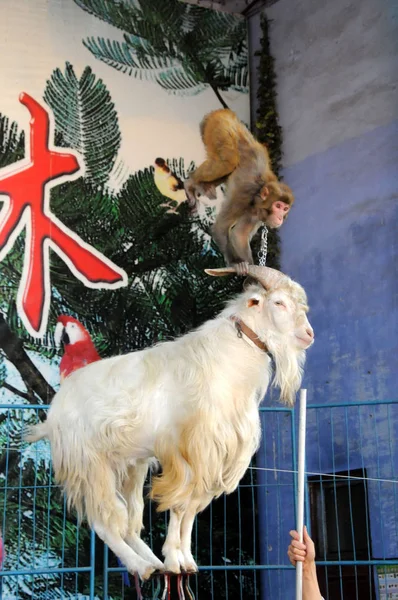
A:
(279, 303)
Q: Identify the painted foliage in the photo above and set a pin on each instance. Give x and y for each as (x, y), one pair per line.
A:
(99, 252)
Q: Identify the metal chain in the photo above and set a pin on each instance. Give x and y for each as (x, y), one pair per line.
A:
(262, 254)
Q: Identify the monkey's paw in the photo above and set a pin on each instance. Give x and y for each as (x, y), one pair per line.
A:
(242, 268)
(190, 191)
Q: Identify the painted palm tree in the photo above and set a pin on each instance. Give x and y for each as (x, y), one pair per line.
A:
(163, 255)
(183, 48)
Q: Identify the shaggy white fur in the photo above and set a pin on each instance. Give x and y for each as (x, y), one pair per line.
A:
(192, 403)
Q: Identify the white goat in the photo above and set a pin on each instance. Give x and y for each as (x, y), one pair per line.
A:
(192, 403)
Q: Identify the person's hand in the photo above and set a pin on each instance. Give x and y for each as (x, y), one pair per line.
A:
(305, 552)
(301, 551)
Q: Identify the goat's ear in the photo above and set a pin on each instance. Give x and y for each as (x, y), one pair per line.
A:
(255, 302)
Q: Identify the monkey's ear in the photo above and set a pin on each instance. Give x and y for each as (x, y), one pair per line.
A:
(221, 272)
(264, 192)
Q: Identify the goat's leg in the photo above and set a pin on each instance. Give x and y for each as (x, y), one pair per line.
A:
(195, 506)
(133, 492)
(171, 548)
(132, 561)
(109, 517)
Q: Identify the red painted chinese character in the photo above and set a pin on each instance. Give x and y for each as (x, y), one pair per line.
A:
(27, 185)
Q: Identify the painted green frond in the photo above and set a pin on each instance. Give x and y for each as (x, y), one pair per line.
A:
(168, 73)
(85, 117)
(238, 77)
(113, 12)
(183, 48)
(122, 56)
(12, 142)
(217, 32)
(3, 371)
(178, 81)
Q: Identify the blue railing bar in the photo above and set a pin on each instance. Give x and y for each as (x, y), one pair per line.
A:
(285, 409)
(48, 570)
(225, 568)
(24, 406)
(356, 563)
(320, 563)
(106, 572)
(356, 403)
(92, 563)
(53, 486)
(56, 486)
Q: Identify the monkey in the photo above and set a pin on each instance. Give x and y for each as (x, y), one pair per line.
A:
(245, 209)
(254, 196)
(229, 146)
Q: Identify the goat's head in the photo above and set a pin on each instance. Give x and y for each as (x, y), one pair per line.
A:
(276, 308)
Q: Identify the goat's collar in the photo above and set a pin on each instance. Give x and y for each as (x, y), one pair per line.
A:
(242, 328)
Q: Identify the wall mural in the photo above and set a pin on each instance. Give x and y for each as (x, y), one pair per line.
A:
(99, 251)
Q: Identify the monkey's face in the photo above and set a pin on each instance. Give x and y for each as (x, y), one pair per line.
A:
(278, 213)
(277, 199)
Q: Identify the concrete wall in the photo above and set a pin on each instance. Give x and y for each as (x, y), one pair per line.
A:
(337, 66)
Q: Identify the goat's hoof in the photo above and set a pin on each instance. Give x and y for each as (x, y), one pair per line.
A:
(172, 566)
(191, 568)
(147, 573)
(159, 566)
(189, 565)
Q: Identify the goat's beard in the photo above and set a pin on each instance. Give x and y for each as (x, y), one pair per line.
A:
(289, 365)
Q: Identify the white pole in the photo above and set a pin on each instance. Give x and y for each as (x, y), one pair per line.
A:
(300, 490)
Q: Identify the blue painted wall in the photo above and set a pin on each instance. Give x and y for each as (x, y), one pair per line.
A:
(341, 245)
(337, 73)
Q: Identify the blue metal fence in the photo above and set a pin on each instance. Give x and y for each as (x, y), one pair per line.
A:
(48, 555)
(241, 540)
(352, 475)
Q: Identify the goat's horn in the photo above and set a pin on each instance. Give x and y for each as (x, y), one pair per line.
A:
(268, 277)
(220, 272)
(265, 275)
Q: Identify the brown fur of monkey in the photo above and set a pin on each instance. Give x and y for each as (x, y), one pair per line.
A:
(246, 207)
(252, 188)
(230, 147)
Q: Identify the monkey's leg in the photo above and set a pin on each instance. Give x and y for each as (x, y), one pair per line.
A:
(219, 232)
(234, 241)
(213, 171)
(238, 247)
(218, 165)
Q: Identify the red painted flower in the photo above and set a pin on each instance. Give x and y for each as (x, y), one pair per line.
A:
(27, 184)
